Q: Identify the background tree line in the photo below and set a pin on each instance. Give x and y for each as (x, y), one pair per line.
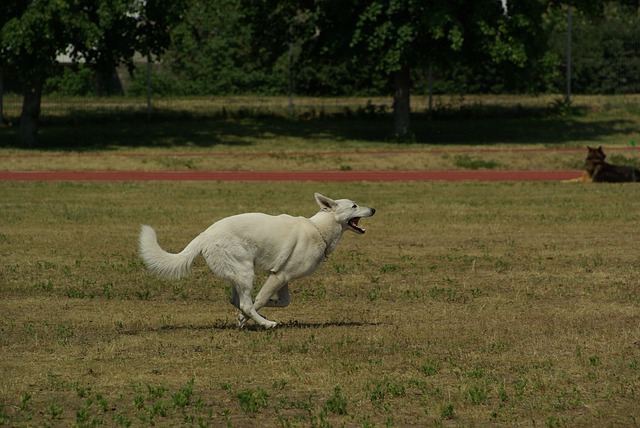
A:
(212, 52)
(328, 47)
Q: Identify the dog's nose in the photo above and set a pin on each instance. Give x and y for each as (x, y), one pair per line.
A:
(373, 211)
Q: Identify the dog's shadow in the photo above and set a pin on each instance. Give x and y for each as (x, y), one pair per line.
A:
(226, 325)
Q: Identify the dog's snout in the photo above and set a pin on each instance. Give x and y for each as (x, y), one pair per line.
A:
(373, 211)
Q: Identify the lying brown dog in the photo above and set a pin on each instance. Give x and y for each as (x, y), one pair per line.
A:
(598, 171)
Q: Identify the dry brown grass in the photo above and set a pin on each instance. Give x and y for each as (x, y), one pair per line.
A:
(396, 159)
(465, 303)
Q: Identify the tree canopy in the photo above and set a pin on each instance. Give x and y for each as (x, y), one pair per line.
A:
(393, 37)
(102, 34)
(391, 47)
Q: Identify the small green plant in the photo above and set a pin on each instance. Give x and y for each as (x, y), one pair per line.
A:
(384, 388)
(55, 411)
(447, 412)
(74, 293)
(138, 402)
(178, 290)
(143, 295)
(64, 332)
(478, 394)
(156, 392)
(520, 386)
(107, 292)
(82, 391)
(253, 400)
(430, 369)
(24, 402)
(389, 267)
(160, 409)
(339, 267)
(82, 416)
(101, 402)
(3, 416)
(476, 373)
(182, 398)
(279, 384)
(122, 420)
(374, 295)
(45, 286)
(474, 163)
(561, 106)
(337, 403)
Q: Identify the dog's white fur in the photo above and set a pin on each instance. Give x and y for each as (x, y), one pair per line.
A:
(287, 247)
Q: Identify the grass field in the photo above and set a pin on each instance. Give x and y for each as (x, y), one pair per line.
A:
(511, 304)
(326, 134)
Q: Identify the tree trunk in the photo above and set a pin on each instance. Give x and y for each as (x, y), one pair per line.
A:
(1, 98)
(29, 116)
(401, 102)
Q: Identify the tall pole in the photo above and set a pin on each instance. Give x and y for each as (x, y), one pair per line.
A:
(149, 86)
(291, 79)
(568, 55)
(430, 80)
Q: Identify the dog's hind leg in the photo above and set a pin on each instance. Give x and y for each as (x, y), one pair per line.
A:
(235, 301)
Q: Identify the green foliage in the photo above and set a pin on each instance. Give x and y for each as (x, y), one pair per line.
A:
(182, 398)
(337, 403)
(102, 34)
(72, 82)
(447, 412)
(605, 49)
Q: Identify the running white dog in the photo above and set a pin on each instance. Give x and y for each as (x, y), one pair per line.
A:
(287, 247)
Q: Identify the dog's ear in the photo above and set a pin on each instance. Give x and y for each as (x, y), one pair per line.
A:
(324, 202)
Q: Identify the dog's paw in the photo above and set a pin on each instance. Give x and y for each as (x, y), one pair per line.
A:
(241, 321)
(269, 325)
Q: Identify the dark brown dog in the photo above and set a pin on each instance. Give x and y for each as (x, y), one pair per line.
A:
(598, 171)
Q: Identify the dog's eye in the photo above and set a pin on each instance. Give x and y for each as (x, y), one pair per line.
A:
(354, 206)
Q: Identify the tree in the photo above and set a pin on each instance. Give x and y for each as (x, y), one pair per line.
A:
(392, 37)
(490, 40)
(102, 34)
(605, 50)
(211, 53)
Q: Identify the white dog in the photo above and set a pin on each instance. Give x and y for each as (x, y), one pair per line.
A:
(287, 247)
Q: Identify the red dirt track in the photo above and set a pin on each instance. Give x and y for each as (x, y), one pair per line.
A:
(338, 176)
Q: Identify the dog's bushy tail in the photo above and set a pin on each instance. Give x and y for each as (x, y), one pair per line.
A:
(162, 263)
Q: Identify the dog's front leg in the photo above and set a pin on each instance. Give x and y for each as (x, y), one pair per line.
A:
(275, 283)
(283, 300)
(247, 309)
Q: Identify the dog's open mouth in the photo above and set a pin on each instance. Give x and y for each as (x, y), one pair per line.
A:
(353, 225)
